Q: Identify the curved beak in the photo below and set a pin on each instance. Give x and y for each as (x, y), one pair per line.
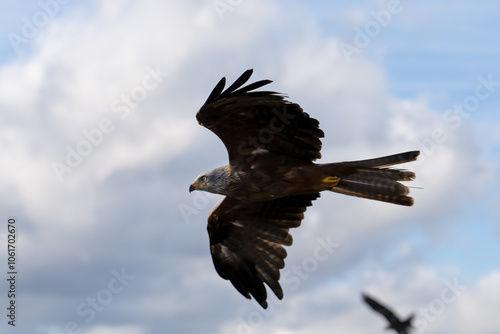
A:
(192, 188)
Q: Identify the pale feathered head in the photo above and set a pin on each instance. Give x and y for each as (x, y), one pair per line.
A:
(213, 181)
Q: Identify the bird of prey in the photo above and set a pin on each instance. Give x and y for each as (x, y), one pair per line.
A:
(271, 179)
(401, 327)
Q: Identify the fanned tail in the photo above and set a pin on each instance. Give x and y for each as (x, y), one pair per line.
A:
(368, 180)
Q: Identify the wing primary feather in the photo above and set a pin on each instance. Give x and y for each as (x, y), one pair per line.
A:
(216, 91)
(253, 86)
(238, 83)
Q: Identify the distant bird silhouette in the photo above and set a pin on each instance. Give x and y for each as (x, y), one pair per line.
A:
(401, 327)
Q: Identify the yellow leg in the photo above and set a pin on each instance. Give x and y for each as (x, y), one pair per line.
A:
(331, 181)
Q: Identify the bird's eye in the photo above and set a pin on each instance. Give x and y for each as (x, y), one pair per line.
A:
(204, 178)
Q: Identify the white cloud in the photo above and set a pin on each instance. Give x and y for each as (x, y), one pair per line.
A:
(115, 330)
(484, 293)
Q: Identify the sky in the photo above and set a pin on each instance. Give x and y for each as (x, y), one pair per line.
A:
(100, 144)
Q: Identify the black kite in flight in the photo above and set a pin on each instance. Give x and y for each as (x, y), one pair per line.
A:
(271, 180)
(401, 327)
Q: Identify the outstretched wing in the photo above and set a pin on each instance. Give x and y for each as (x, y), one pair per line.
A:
(387, 313)
(252, 122)
(247, 238)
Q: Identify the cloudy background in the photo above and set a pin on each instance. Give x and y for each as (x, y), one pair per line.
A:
(112, 242)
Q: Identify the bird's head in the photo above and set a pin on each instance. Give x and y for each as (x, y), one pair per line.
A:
(213, 181)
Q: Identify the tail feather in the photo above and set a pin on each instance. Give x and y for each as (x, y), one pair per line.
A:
(369, 193)
(388, 160)
(408, 322)
(370, 181)
(383, 173)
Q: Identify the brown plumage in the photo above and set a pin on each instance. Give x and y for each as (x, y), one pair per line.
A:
(271, 179)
